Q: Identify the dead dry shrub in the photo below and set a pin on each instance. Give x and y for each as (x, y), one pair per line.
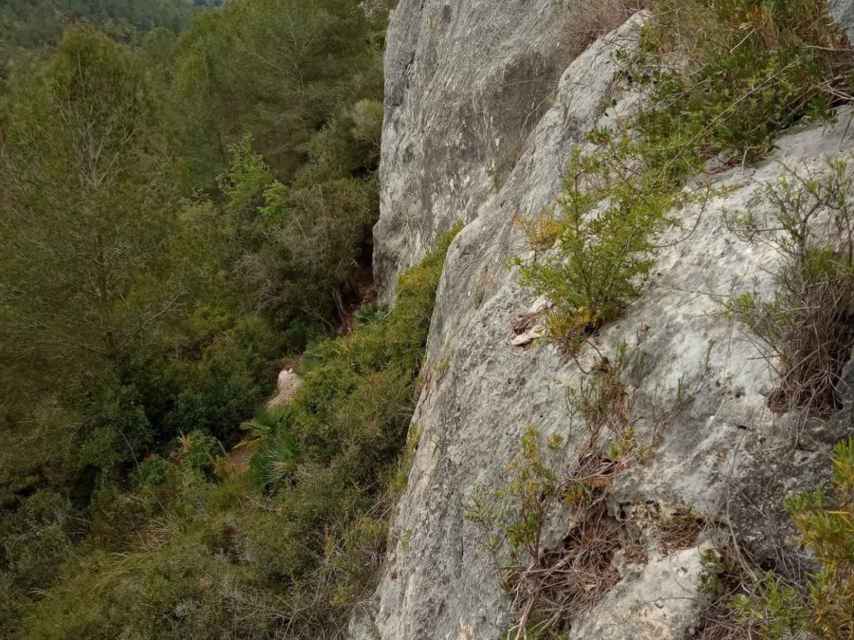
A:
(680, 530)
(587, 21)
(570, 578)
(809, 328)
(551, 584)
(806, 329)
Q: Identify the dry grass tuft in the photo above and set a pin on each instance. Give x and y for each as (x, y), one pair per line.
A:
(680, 530)
(587, 21)
(571, 578)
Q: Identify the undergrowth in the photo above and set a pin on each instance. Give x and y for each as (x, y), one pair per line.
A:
(191, 555)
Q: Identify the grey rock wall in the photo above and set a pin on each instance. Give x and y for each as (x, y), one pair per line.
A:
(466, 82)
(843, 12)
(483, 109)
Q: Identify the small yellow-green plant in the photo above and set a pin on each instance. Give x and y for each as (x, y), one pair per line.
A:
(603, 227)
(826, 525)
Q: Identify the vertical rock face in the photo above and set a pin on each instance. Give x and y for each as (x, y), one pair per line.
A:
(466, 82)
(484, 105)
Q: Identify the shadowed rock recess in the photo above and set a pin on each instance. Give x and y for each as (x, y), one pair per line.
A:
(484, 104)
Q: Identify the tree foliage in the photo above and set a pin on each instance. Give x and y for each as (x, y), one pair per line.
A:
(183, 204)
(88, 213)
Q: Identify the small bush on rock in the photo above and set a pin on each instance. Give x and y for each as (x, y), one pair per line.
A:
(551, 584)
(604, 231)
(725, 77)
(825, 521)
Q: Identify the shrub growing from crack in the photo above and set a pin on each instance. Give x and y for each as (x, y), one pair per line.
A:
(550, 585)
(603, 228)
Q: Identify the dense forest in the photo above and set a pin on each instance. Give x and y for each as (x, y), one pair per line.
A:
(188, 196)
(27, 25)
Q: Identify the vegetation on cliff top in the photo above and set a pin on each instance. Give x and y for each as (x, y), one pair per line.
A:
(721, 81)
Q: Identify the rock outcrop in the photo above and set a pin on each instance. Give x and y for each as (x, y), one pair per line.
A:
(287, 385)
(466, 82)
(484, 105)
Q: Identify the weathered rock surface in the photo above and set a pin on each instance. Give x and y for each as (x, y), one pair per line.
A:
(466, 82)
(698, 384)
(660, 601)
(843, 12)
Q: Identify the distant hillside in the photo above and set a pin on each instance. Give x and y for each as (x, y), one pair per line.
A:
(34, 24)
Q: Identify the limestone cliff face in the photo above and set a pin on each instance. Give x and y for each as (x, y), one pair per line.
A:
(843, 12)
(484, 105)
(466, 82)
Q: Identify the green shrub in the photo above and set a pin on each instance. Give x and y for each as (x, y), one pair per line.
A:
(368, 313)
(199, 450)
(826, 525)
(232, 377)
(36, 539)
(604, 229)
(742, 71)
(151, 472)
(773, 609)
(114, 430)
